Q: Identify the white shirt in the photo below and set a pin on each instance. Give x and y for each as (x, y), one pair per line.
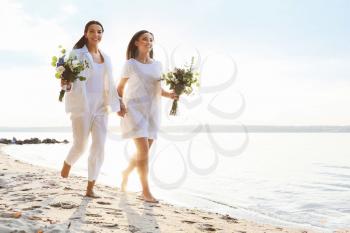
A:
(95, 83)
(76, 100)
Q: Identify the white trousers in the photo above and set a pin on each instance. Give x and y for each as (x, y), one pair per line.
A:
(82, 127)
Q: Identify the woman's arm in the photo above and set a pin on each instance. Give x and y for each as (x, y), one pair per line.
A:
(165, 93)
(121, 86)
(120, 90)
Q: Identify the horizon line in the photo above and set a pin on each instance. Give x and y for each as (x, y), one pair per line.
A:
(206, 128)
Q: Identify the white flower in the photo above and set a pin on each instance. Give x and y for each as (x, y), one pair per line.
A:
(60, 69)
(173, 79)
(71, 56)
(75, 63)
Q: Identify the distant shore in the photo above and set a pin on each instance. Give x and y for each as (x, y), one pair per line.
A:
(213, 128)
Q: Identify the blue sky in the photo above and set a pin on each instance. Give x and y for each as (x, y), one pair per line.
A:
(292, 56)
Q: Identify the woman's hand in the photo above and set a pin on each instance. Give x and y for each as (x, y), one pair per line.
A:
(123, 110)
(65, 82)
(172, 95)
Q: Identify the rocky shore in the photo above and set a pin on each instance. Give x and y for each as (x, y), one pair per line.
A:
(30, 141)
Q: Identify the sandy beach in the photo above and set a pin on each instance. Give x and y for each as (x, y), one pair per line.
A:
(36, 199)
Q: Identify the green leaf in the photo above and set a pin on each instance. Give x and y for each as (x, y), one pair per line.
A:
(53, 64)
(63, 51)
(58, 75)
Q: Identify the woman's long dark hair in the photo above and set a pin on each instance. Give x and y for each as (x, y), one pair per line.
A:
(82, 40)
(131, 52)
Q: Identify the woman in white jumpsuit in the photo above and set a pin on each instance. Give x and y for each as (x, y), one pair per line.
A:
(141, 118)
(89, 102)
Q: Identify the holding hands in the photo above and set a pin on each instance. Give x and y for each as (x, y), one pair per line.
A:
(123, 109)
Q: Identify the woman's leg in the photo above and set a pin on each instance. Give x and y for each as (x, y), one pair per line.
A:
(80, 128)
(142, 147)
(130, 168)
(96, 157)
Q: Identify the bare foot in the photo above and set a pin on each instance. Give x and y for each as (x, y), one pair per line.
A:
(124, 181)
(91, 193)
(65, 170)
(149, 198)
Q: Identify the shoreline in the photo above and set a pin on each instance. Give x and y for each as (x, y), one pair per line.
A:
(37, 199)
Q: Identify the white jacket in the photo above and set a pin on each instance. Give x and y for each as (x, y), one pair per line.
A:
(76, 100)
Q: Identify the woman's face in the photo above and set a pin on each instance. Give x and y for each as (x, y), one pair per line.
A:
(94, 34)
(145, 43)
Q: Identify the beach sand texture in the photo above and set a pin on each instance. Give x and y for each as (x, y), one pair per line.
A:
(36, 199)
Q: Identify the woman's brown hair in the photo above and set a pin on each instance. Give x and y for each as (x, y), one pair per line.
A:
(131, 52)
(82, 40)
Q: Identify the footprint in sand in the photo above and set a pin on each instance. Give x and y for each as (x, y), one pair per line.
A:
(25, 199)
(230, 219)
(93, 215)
(155, 215)
(103, 203)
(32, 207)
(27, 189)
(188, 222)
(151, 205)
(103, 224)
(34, 218)
(133, 229)
(10, 215)
(52, 184)
(111, 225)
(93, 222)
(116, 212)
(43, 195)
(64, 205)
(207, 227)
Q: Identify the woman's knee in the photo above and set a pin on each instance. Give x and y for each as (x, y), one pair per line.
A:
(79, 147)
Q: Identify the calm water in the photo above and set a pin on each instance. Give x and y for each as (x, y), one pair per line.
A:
(291, 179)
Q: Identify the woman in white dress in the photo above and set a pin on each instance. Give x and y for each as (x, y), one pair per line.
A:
(141, 118)
(89, 102)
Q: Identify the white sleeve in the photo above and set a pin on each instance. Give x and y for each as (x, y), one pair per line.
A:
(126, 70)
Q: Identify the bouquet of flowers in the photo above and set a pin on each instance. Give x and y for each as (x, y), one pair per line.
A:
(68, 69)
(181, 81)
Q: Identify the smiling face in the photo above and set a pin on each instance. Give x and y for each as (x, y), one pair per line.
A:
(144, 43)
(94, 34)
